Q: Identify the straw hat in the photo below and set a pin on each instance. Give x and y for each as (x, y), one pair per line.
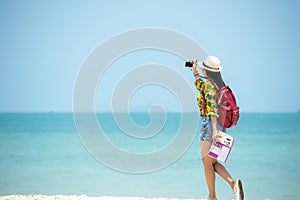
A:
(211, 63)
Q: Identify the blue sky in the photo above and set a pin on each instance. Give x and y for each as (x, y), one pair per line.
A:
(44, 43)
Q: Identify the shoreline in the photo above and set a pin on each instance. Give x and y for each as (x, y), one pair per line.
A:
(78, 197)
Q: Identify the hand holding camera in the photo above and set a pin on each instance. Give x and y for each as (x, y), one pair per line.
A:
(192, 65)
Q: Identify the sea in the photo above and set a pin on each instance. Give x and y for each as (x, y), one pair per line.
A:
(43, 153)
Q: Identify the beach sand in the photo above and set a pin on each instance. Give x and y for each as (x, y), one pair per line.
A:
(74, 197)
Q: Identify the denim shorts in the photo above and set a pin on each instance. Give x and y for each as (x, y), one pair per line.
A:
(206, 129)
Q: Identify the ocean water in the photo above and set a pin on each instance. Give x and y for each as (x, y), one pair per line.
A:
(41, 153)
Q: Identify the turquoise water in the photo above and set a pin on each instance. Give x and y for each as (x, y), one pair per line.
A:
(41, 153)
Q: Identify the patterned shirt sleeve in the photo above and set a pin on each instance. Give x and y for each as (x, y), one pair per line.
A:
(198, 83)
(211, 99)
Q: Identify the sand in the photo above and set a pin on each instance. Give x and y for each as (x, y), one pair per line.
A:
(74, 197)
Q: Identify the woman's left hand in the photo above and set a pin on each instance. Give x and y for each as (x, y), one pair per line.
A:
(216, 136)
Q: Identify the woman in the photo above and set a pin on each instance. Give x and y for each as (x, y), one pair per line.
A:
(207, 95)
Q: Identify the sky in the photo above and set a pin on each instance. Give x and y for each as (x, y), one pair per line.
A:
(45, 43)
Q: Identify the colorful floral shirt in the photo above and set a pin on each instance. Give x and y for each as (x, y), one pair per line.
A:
(207, 96)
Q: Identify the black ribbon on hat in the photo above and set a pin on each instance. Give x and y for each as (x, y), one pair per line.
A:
(209, 66)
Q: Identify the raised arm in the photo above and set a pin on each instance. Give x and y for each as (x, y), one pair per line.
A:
(195, 71)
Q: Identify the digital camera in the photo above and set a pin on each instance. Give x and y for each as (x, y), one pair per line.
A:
(189, 64)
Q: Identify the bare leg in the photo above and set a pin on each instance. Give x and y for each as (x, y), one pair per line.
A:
(209, 170)
(221, 170)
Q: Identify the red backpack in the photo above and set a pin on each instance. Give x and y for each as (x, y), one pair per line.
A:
(228, 110)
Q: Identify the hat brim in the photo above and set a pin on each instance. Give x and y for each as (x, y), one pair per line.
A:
(210, 69)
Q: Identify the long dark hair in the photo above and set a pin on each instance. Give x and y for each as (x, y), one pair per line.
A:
(216, 77)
